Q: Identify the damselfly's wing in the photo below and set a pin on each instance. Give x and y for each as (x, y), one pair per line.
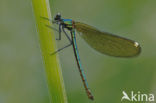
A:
(108, 43)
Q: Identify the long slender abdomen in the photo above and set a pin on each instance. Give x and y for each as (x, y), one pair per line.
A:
(83, 77)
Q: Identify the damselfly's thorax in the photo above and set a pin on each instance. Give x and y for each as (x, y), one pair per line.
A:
(65, 23)
(68, 23)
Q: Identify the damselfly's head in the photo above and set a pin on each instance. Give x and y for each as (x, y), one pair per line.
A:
(57, 18)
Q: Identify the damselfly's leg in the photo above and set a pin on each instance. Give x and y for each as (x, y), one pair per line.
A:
(64, 46)
(52, 28)
(66, 34)
(61, 49)
(46, 19)
(59, 32)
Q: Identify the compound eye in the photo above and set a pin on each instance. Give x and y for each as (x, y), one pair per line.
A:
(57, 17)
(59, 14)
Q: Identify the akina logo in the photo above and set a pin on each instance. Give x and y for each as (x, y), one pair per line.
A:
(138, 96)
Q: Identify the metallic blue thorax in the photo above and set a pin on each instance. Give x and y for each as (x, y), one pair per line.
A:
(68, 23)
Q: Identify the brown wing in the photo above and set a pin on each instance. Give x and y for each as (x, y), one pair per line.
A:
(108, 43)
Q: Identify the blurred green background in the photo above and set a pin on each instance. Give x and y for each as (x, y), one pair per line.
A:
(22, 75)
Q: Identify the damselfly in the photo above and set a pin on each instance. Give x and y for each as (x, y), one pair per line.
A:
(103, 42)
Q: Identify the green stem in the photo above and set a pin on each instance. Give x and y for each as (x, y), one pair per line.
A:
(48, 45)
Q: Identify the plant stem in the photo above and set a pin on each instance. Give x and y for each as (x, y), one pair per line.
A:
(48, 45)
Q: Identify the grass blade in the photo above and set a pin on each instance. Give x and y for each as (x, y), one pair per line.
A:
(48, 45)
